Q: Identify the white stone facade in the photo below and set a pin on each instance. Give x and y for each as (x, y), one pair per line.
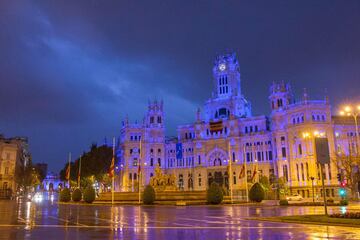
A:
(226, 133)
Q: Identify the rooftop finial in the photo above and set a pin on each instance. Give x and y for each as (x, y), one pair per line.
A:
(305, 96)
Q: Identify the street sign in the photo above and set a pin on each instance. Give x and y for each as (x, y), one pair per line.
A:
(322, 150)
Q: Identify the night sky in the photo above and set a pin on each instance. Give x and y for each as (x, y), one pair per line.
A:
(70, 71)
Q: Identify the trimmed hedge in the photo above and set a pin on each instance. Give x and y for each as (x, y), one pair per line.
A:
(256, 193)
(214, 194)
(283, 202)
(149, 195)
(89, 194)
(351, 215)
(344, 202)
(65, 195)
(76, 195)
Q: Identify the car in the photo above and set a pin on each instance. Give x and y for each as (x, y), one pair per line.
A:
(294, 197)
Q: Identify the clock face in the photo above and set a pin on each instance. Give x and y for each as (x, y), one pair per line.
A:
(222, 67)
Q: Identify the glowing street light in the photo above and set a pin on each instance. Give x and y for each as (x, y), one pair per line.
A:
(353, 111)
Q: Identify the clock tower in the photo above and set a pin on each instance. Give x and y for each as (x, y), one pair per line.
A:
(227, 98)
(226, 75)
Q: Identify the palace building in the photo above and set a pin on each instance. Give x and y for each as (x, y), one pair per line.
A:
(226, 142)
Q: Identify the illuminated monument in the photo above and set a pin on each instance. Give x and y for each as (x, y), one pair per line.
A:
(226, 133)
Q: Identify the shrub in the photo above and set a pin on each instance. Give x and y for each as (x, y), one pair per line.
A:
(256, 193)
(283, 202)
(149, 195)
(344, 202)
(214, 194)
(65, 195)
(76, 195)
(353, 215)
(89, 194)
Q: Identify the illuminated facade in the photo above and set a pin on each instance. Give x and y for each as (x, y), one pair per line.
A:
(14, 155)
(226, 133)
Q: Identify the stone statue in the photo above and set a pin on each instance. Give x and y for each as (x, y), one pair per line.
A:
(163, 182)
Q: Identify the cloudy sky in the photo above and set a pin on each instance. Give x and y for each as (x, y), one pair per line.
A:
(70, 71)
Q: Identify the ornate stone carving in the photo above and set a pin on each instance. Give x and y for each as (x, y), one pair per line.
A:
(163, 182)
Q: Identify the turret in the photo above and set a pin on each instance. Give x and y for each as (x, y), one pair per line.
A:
(155, 114)
(280, 96)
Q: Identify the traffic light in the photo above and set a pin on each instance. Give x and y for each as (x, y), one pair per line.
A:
(343, 184)
(339, 177)
(342, 192)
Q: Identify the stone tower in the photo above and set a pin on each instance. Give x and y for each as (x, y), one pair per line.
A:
(227, 99)
(280, 96)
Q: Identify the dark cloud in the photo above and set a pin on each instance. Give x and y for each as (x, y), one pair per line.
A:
(70, 71)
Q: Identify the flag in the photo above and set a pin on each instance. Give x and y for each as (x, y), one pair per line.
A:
(242, 172)
(139, 168)
(67, 174)
(112, 168)
(216, 126)
(254, 173)
(179, 151)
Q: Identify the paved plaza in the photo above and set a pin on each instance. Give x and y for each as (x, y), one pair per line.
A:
(50, 220)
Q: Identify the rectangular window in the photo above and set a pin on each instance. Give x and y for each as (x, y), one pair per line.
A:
(302, 172)
(283, 152)
(249, 175)
(297, 172)
(248, 157)
(270, 156)
(285, 170)
(300, 149)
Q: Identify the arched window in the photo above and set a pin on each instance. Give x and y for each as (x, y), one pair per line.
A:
(151, 162)
(234, 178)
(217, 162)
(223, 113)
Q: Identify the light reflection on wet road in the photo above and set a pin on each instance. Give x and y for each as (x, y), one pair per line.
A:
(46, 220)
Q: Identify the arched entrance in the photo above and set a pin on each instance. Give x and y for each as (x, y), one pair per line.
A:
(51, 187)
(216, 157)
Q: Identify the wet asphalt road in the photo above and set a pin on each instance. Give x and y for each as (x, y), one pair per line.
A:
(49, 220)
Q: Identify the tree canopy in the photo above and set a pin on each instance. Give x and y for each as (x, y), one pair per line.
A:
(94, 163)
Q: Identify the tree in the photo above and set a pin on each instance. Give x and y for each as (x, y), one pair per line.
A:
(214, 194)
(348, 165)
(265, 183)
(95, 163)
(282, 187)
(28, 176)
(256, 193)
(149, 195)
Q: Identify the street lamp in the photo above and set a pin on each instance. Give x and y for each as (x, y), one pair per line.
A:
(354, 112)
(312, 186)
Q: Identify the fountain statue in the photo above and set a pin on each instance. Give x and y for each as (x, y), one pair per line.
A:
(163, 182)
